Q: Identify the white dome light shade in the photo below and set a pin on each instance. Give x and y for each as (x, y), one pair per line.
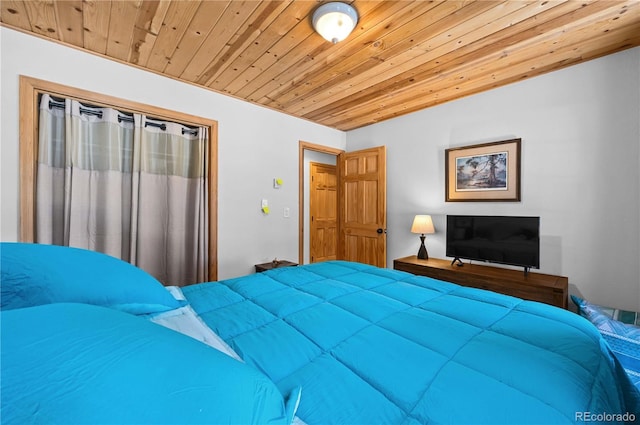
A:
(334, 21)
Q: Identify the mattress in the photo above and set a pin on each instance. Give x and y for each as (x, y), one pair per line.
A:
(370, 345)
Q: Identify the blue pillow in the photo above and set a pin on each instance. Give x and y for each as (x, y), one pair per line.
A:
(84, 364)
(35, 274)
(619, 328)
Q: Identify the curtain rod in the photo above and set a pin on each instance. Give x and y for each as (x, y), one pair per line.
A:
(121, 118)
(90, 112)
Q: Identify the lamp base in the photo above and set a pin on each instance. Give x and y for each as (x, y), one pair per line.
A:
(422, 252)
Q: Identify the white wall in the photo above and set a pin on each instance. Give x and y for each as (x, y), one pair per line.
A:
(255, 145)
(580, 130)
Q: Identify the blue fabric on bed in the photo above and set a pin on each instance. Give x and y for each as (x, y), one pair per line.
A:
(623, 337)
(371, 345)
(84, 364)
(36, 274)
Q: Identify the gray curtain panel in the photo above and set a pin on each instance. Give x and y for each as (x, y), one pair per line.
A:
(126, 185)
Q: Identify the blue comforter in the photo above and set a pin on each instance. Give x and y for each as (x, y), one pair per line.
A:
(379, 346)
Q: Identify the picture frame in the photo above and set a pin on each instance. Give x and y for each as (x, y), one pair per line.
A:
(487, 172)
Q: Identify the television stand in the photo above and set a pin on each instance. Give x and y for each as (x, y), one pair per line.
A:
(540, 287)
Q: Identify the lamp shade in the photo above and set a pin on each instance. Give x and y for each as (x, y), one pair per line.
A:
(334, 21)
(422, 224)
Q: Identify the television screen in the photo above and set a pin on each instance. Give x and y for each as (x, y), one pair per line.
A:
(497, 239)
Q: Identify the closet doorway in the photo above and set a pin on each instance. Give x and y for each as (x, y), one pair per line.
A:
(30, 91)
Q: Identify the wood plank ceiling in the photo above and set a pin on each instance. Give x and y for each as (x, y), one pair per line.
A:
(403, 56)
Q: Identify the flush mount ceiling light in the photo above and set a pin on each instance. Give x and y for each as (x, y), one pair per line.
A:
(334, 21)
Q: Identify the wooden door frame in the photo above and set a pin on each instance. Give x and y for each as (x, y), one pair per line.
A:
(302, 146)
(30, 88)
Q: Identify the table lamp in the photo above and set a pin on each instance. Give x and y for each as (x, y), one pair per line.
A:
(422, 224)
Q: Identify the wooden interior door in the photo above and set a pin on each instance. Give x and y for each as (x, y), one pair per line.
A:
(323, 210)
(363, 206)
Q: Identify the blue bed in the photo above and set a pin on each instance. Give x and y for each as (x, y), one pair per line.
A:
(370, 345)
(328, 343)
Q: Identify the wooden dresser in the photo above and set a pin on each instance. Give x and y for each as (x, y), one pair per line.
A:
(540, 287)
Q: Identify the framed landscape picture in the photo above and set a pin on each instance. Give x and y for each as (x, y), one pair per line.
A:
(485, 172)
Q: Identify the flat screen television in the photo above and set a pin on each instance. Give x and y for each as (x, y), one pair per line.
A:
(507, 240)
